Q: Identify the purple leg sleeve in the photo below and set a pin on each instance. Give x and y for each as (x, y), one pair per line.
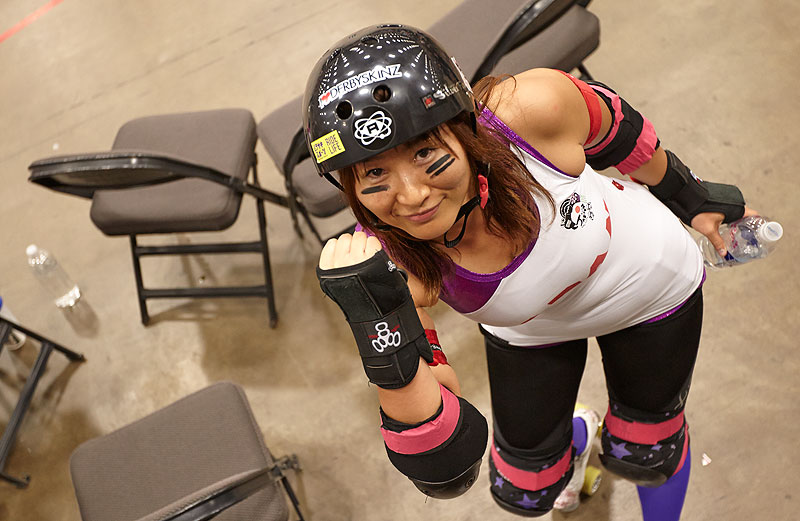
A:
(664, 503)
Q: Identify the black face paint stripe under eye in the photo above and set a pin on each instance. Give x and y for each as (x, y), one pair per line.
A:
(443, 168)
(439, 162)
(374, 189)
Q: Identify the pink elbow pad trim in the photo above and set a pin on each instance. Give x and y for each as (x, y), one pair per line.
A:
(644, 150)
(644, 433)
(592, 104)
(528, 479)
(645, 143)
(429, 435)
(616, 105)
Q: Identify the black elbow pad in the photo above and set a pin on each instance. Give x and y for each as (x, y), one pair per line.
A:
(450, 468)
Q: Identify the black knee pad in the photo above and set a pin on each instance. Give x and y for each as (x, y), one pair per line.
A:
(441, 456)
(527, 482)
(645, 448)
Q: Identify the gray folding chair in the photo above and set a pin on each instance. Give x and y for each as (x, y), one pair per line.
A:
(199, 458)
(501, 37)
(7, 329)
(180, 153)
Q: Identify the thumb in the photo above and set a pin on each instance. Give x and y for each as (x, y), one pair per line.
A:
(716, 240)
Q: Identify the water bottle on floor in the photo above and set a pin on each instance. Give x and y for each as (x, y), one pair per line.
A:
(747, 239)
(53, 277)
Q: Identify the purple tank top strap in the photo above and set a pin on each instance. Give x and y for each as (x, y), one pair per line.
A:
(488, 118)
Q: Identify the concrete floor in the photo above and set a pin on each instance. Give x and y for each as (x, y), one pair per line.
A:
(718, 80)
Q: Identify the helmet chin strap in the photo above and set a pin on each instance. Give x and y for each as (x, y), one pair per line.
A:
(463, 213)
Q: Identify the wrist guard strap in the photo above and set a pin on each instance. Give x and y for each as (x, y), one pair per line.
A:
(377, 304)
(686, 195)
(436, 348)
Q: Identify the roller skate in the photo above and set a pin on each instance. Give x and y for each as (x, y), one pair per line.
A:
(585, 478)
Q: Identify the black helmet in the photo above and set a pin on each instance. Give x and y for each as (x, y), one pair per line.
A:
(376, 89)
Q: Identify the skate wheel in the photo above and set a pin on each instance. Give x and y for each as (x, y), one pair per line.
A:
(591, 480)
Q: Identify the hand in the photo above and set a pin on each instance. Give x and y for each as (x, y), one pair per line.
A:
(348, 250)
(708, 224)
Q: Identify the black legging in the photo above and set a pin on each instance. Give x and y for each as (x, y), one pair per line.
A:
(534, 389)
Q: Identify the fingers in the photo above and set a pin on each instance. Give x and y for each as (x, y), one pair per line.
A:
(342, 251)
(749, 212)
(348, 250)
(358, 243)
(326, 256)
(373, 246)
(708, 224)
(716, 240)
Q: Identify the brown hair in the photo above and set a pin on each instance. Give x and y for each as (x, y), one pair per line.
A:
(509, 213)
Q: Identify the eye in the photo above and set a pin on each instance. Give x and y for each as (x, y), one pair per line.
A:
(424, 153)
(374, 173)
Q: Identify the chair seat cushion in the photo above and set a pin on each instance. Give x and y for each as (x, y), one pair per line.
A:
(199, 441)
(220, 139)
(320, 198)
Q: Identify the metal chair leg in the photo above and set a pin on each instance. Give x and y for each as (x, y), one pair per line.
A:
(262, 224)
(25, 396)
(137, 272)
(262, 229)
(585, 76)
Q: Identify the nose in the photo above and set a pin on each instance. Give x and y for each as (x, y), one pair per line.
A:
(412, 188)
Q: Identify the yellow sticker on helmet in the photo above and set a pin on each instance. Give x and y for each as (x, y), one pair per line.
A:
(327, 146)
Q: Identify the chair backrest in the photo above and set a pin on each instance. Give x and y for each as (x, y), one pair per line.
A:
(478, 34)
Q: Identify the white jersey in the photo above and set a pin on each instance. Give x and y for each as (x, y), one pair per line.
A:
(610, 256)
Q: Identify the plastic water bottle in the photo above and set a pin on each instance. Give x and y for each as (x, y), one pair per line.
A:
(53, 277)
(747, 239)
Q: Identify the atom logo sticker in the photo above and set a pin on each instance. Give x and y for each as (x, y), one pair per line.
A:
(374, 129)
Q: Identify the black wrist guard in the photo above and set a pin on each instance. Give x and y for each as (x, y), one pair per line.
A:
(688, 196)
(377, 304)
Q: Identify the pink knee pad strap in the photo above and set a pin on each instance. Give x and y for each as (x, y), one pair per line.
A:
(528, 479)
(643, 433)
(631, 448)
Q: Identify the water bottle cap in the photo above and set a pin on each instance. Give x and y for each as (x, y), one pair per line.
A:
(31, 250)
(770, 231)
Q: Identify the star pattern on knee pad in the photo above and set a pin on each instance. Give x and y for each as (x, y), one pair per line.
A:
(526, 502)
(618, 450)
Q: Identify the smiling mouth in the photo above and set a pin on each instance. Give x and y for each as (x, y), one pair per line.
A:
(425, 216)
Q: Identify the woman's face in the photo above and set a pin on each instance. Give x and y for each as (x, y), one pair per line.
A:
(417, 187)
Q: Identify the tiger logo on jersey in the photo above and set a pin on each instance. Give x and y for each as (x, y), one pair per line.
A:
(575, 212)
